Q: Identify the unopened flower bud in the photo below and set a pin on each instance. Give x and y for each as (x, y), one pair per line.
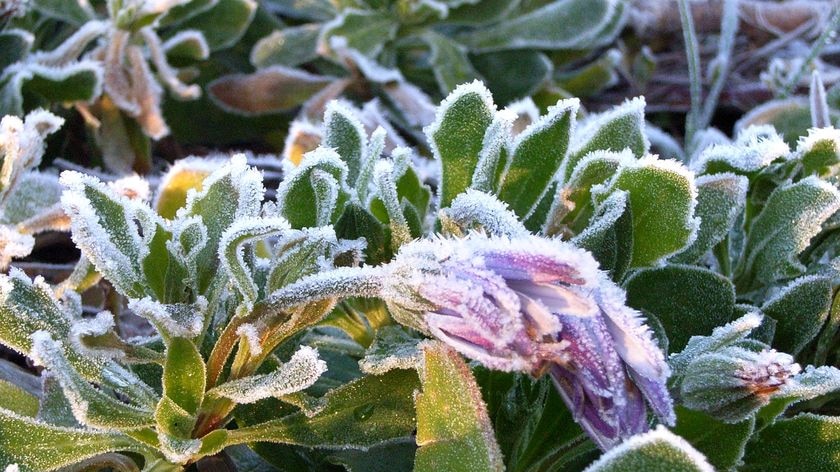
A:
(731, 384)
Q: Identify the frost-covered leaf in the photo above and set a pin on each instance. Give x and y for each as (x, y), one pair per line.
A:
(33, 194)
(721, 337)
(449, 61)
(302, 370)
(296, 197)
(804, 442)
(104, 228)
(473, 209)
(609, 235)
(186, 45)
(365, 31)
(613, 130)
(453, 429)
(91, 406)
(30, 306)
(754, 149)
(356, 222)
(184, 375)
(720, 198)
(658, 449)
(800, 310)
(184, 175)
(185, 10)
(537, 154)
(16, 399)
(232, 191)
(723, 444)
(223, 24)
(35, 83)
(75, 12)
(14, 46)
(288, 47)
(662, 198)
(344, 132)
(369, 411)
(232, 252)
(792, 216)
(687, 300)
(819, 150)
(457, 135)
(270, 90)
(35, 446)
(565, 24)
(392, 348)
(318, 10)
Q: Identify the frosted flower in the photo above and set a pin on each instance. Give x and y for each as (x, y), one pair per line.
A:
(731, 384)
(536, 305)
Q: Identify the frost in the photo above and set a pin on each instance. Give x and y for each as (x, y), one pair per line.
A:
(478, 208)
(813, 382)
(12, 468)
(166, 72)
(302, 138)
(393, 348)
(176, 450)
(666, 450)
(720, 338)
(755, 148)
(194, 37)
(526, 112)
(252, 337)
(387, 190)
(13, 244)
(302, 370)
(589, 129)
(496, 142)
(232, 253)
(176, 320)
(102, 324)
(133, 186)
(374, 117)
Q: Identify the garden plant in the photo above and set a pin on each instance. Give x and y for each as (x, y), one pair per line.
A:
(419, 235)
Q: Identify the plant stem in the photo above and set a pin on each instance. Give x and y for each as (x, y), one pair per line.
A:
(816, 50)
(693, 57)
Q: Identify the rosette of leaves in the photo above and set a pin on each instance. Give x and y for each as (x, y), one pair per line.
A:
(112, 60)
(401, 51)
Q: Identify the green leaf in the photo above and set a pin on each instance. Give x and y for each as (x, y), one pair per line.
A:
(564, 24)
(317, 10)
(453, 430)
(369, 411)
(185, 11)
(31, 85)
(720, 198)
(233, 191)
(575, 206)
(449, 61)
(223, 24)
(525, 71)
(271, 90)
(478, 13)
(14, 46)
(800, 310)
(76, 12)
(356, 222)
(18, 400)
(655, 450)
(609, 236)
(414, 191)
(344, 132)
(457, 134)
(184, 374)
(91, 406)
(27, 307)
(537, 155)
(722, 443)
(662, 199)
(687, 300)
(614, 130)
(792, 216)
(288, 47)
(296, 197)
(232, 253)
(804, 442)
(36, 446)
(363, 30)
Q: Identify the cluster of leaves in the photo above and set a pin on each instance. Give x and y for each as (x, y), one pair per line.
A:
(259, 341)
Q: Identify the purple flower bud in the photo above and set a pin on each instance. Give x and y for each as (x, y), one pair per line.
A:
(536, 305)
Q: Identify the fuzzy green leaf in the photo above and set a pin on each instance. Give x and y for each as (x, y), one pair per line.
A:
(288, 47)
(720, 197)
(687, 300)
(364, 30)
(722, 443)
(656, 450)
(224, 23)
(537, 154)
(453, 430)
(449, 61)
(804, 442)
(457, 134)
(296, 197)
(30, 85)
(662, 199)
(609, 236)
(800, 310)
(184, 374)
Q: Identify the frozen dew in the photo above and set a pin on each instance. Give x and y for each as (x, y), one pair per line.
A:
(474, 208)
(299, 373)
(177, 320)
(13, 244)
(667, 445)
